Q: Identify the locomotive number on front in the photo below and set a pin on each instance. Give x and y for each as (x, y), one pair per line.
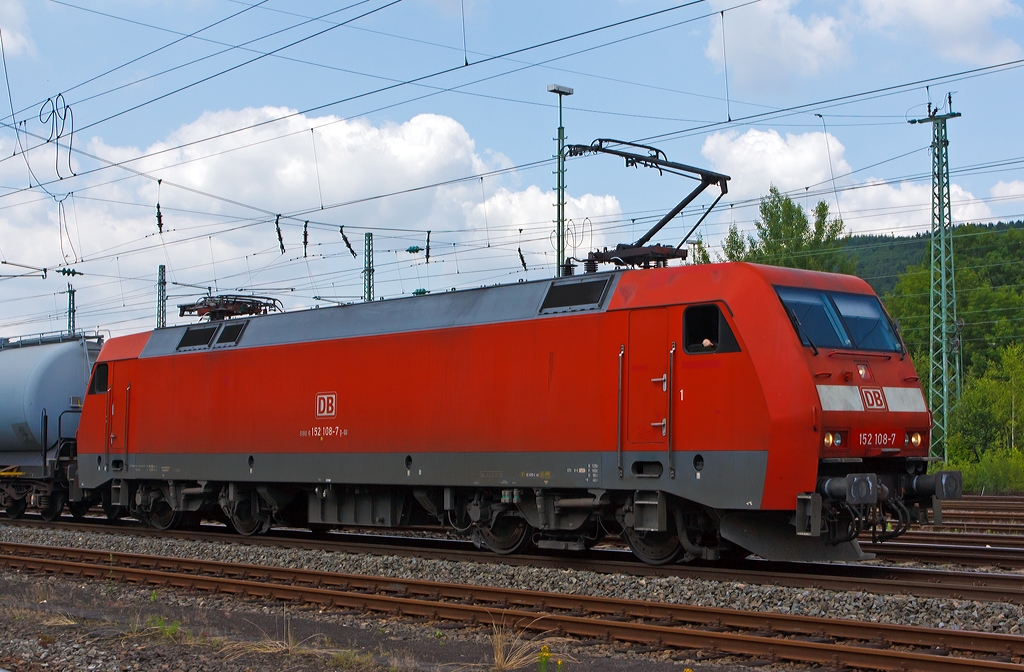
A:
(888, 439)
(323, 431)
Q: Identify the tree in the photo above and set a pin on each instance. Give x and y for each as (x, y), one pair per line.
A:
(986, 416)
(700, 252)
(785, 237)
(989, 297)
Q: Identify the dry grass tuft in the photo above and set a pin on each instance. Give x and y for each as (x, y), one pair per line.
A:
(511, 652)
(290, 645)
(60, 620)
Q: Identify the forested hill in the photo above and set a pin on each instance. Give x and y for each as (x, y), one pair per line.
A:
(881, 259)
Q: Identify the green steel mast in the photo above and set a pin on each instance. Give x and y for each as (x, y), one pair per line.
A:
(368, 267)
(561, 268)
(943, 338)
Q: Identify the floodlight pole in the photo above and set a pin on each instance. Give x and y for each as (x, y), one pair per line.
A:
(561, 92)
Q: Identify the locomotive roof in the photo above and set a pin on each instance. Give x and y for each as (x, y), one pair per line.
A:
(539, 299)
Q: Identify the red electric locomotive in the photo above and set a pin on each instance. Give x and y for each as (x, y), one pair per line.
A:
(692, 410)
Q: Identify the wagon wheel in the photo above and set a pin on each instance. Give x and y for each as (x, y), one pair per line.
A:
(54, 505)
(162, 516)
(16, 509)
(508, 535)
(654, 548)
(79, 509)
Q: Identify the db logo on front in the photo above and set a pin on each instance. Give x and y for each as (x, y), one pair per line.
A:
(326, 404)
(874, 400)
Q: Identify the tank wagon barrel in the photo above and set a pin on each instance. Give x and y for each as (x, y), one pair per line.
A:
(42, 388)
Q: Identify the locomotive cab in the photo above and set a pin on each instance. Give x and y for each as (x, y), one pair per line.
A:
(874, 423)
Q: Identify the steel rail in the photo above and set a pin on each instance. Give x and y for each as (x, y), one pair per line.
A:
(955, 526)
(920, 582)
(971, 501)
(944, 554)
(660, 624)
(982, 516)
(961, 539)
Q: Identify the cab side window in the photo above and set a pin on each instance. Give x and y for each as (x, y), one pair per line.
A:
(99, 380)
(706, 331)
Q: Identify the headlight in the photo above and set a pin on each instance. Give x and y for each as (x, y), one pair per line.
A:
(915, 439)
(837, 439)
(828, 439)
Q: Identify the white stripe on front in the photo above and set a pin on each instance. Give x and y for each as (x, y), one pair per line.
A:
(840, 398)
(905, 399)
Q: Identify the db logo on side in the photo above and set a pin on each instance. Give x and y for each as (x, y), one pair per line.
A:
(326, 404)
(874, 400)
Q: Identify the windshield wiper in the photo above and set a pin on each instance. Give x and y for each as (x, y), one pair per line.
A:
(902, 350)
(800, 330)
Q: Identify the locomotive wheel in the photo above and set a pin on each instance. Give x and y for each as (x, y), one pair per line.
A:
(16, 509)
(506, 536)
(163, 517)
(245, 522)
(654, 548)
(79, 509)
(110, 510)
(53, 507)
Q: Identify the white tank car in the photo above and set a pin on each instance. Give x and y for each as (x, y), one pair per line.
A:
(42, 385)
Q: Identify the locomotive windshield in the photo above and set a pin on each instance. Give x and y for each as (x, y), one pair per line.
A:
(839, 320)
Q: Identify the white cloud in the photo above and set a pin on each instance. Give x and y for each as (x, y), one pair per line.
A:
(220, 243)
(955, 29)
(1008, 190)
(758, 159)
(881, 208)
(14, 24)
(767, 44)
(531, 209)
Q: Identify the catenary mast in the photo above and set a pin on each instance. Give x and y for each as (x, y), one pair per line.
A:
(943, 331)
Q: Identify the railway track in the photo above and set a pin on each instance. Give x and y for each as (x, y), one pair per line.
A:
(984, 508)
(1011, 558)
(1015, 541)
(722, 631)
(961, 526)
(922, 582)
(990, 500)
(982, 516)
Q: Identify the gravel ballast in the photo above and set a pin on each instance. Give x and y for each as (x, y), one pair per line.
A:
(896, 609)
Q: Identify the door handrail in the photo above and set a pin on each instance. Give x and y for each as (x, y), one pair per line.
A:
(671, 393)
(618, 447)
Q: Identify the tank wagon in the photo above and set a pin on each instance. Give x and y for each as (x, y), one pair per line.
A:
(695, 411)
(42, 386)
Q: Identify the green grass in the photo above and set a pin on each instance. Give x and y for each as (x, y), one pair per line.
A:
(1000, 471)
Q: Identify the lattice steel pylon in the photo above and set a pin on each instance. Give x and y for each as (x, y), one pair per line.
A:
(71, 309)
(943, 337)
(368, 267)
(161, 296)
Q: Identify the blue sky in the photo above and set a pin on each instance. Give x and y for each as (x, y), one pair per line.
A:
(217, 100)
